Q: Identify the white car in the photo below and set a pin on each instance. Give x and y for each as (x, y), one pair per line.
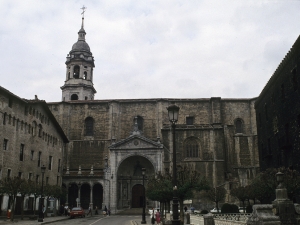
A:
(241, 210)
(214, 210)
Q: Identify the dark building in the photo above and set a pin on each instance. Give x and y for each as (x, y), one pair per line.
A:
(278, 114)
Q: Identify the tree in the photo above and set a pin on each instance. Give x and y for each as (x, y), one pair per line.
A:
(241, 194)
(160, 188)
(24, 190)
(265, 184)
(216, 195)
(11, 187)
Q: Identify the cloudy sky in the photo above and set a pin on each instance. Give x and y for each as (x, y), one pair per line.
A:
(148, 48)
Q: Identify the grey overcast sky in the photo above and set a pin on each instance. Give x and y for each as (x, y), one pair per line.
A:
(148, 48)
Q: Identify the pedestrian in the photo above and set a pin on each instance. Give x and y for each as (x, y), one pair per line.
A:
(105, 210)
(43, 210)
(66, 210)
(96, 210)
(185, 209)
(108, 211)
(157, 216)
(152, 217)
(90, 211)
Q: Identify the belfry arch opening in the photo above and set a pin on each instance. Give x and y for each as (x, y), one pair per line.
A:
(74, 97)
(130, 181)
(76, 72)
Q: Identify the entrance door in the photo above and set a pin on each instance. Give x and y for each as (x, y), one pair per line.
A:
(137, 196)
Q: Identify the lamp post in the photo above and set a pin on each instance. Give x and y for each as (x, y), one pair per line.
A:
(173, 112)
(41, 216)
(144, 198)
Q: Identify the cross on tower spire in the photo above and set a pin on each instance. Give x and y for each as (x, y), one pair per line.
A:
(83, 11)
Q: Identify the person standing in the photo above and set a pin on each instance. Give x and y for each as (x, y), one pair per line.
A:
(157, 216)
(105, 210)
(90, 211)
(96, 210)
(108, 211)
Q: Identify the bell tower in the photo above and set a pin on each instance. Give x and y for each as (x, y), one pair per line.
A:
(79, 70)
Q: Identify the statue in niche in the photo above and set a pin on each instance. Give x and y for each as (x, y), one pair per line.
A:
(137, 169)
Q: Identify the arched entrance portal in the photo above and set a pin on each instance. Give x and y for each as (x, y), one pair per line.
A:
(97, 195)
(130, 181)
(73, 194)
(137, 196)
(85, 196)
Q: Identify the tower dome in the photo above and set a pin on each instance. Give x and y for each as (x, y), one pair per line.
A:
(79, 75)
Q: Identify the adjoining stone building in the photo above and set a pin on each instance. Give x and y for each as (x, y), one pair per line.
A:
(278, 115)
(112, 140)
(31, 137)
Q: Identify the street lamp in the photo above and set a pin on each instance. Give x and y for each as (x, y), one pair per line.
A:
(173, 112)
(144, 198)
(41, 216)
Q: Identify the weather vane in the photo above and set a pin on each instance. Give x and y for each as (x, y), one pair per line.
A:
(83, 10)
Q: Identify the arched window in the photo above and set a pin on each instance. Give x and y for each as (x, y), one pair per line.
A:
(192, 148)
(85, 75)
(238, 126)
(76, 72)
(4, 118)
(89, 126)
(74, 97)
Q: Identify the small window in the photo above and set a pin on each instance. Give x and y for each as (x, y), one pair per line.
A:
(22, 152)
(8, 173)
(140, 123)
(58, 169)
(10, 103)
(85, 75)
(47, 180)
(31, 155)
(37, 179)
(189, 120)
(50, 163)
(238, 126)
(40, 130)
(39, 159)
(4, 118)
(5, 144)
(20, 174)
(30, 176)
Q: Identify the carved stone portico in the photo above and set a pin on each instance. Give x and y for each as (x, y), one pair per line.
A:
(127, 158)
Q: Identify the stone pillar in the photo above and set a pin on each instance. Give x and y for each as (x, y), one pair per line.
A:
(209, 219)
(91, 196)
(79, 190)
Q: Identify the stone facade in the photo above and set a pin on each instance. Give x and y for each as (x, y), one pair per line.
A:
(31, 137)
(278, 115)
(112, 140)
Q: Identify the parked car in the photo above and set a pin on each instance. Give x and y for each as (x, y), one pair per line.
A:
(77, 212)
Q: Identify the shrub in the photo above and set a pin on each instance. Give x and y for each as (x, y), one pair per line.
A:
(204, 211)
(229, 208)
(249, 209)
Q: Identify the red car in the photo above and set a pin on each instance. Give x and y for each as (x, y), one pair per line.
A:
(77, 212)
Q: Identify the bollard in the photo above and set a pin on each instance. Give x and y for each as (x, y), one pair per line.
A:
(8, 214)
(209, 219)
(188, 218)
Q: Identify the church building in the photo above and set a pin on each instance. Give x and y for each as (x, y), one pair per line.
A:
(110, 141)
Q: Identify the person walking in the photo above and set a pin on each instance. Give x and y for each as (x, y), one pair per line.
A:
(157, 216)
(152, 217)
(90, 211)
(108, 211)
(105, 210)
(96, 210)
